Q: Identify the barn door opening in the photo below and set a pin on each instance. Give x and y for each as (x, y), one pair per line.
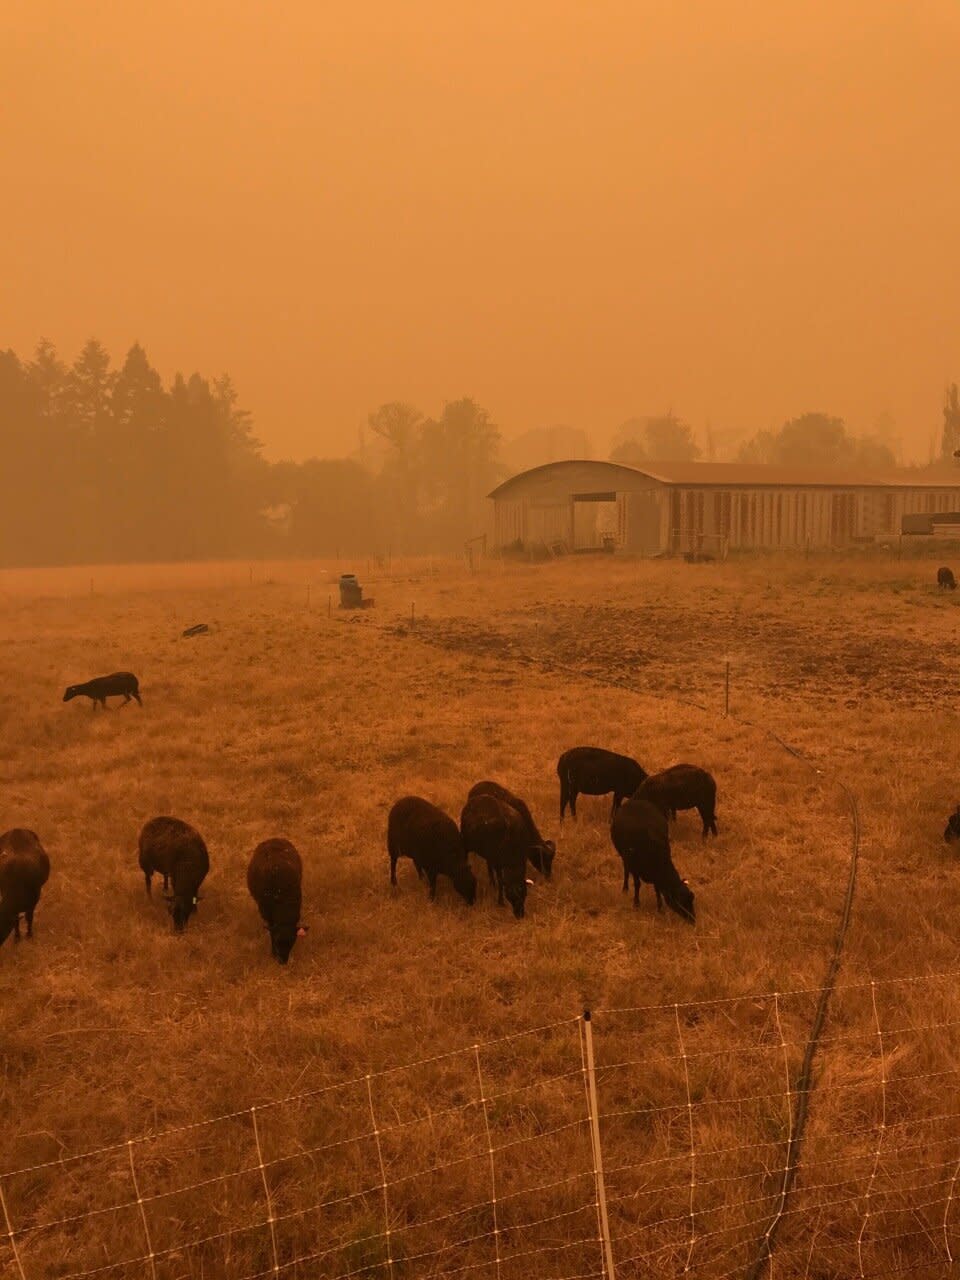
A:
(596, 521)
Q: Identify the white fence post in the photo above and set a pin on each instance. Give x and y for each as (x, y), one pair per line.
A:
(10, 1233)
(266, 1191)
(143, 1212)
(594, 1114)
(383, 1178)
(493, 1172)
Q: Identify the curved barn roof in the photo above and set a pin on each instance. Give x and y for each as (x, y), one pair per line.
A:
(573, 474)
(580, 475)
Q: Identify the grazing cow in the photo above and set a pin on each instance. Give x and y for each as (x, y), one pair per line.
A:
(946, 580)
(540, 852)
(418, 830)
(174, 850)
(494, 830)
(638, 830)
(275, 879)
(122, 684)
(593, 771)
(684, 786)
(952, 831)
(24, 869)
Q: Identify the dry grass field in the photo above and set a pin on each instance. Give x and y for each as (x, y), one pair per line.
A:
(291, 720)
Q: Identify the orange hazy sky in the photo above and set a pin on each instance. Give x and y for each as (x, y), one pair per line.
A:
(741, 209)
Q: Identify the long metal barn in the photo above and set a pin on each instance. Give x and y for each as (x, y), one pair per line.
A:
(707, 507)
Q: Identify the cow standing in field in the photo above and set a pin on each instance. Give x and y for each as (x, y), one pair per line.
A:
(173, 849)
(684, 786)
(639, 834)
(540, 852)
(945, 579)
(24, 870)
(494, 830)
(418, 830)
(593, 771)
(275, 881)
(122, 684)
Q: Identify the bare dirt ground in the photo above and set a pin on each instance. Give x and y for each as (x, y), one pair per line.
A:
(291, 720)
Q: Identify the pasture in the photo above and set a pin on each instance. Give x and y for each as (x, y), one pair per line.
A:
(289, 720)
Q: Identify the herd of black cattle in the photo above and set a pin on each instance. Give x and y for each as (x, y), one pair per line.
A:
(495, 825)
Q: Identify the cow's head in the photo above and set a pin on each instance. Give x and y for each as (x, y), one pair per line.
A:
(680, 899)
(515, 892)
(952, 831)
(181, 907)
(283, 937)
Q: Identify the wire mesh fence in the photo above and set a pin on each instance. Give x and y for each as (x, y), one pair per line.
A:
(652, 1140)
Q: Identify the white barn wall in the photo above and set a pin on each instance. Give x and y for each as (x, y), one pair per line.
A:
(655, 512)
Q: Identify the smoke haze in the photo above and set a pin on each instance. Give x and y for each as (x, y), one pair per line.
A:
(573, 213)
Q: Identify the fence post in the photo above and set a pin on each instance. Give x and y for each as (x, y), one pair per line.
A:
(266, 1191)
(143, 1213)
(608, 1268)
(11, 1233)
(383, 1178)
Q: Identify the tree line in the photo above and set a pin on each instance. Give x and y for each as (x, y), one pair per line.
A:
(103, 463)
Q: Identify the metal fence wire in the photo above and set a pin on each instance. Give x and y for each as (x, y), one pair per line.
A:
(561, 1151)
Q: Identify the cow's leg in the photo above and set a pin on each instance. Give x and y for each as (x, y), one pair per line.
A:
(626, 877)
(636, 891)
(148, 876)
(29, 914)
(393, 869)
(432, 877)
(500, 901)
(137, 696)
(659, 898)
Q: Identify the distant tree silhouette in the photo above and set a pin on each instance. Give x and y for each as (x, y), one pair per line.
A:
(457, 465)
(333, 503)
(102, 464)
(400, 425)
(663, 439)
(817, 440)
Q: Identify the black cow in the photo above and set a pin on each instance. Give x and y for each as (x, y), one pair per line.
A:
(24, 870)
(275, 881)
(173, 849)
(946, 580)
(418, 830)
(494, 830)
(540, 852)
(684, 786)
(122, 684)
(639, 834)
(952, 831)
(592, 771)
